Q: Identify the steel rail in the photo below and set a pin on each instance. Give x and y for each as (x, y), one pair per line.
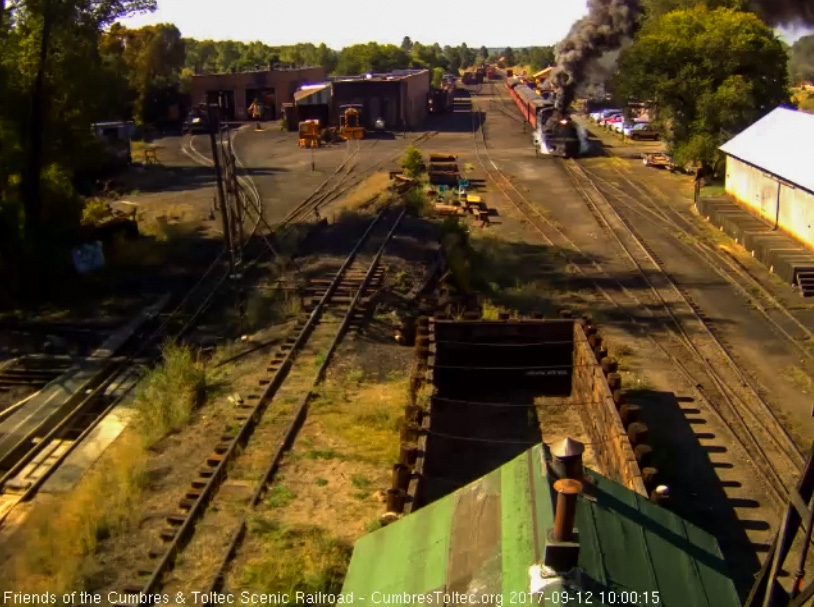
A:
(215, 476)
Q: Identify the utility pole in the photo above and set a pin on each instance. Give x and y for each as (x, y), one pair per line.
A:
(214, 126)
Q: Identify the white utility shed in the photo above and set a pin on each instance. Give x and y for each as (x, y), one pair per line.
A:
(768, 171)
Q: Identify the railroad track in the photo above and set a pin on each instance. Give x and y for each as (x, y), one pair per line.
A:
(748, 416)
(345, 183)
(43, 449)
(345, 177)
(691, 237)
(288, 388)
(38, 453)
(697, 354)
(32, 371)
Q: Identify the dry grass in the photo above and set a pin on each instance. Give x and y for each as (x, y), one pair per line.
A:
(263, 309)
(167, 397)
(366, 193)
(328, 491)
(490, 311)
(94, 211)
(800, 379)
(363, 416)
(58, 539)
(295, 558)
(175, 221)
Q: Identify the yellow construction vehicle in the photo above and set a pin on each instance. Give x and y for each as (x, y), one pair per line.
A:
(350, 122)
(310, 134)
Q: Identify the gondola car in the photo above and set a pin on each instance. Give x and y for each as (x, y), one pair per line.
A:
(555, 133)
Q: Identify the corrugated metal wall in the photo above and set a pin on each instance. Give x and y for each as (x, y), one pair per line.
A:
(760, 192)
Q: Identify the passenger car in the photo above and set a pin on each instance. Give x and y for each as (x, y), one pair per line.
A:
(642, 130)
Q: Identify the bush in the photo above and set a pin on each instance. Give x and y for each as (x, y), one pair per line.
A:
(417, 202)
(95, 211)
(413, 162)
(170, 393)
(458, 252)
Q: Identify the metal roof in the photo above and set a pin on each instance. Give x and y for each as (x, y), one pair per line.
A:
(485, 537)
(775, 143)
(314, 94)
(395, 75)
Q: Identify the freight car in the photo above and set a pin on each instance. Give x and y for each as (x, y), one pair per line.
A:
(554, 132)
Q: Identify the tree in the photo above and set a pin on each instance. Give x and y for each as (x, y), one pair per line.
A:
(437, 77)
(484, 53)
(801, 60)
(655, 9)
(406, 44)
(453, 56)
(371, 57)
(508, 56)
(412, 162)
(467, 56)
(539, 57)
(709, 74)
(51, 59)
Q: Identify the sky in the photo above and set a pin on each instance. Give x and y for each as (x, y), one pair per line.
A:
(339, 24)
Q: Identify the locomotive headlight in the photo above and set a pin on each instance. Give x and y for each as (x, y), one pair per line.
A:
(564, 121)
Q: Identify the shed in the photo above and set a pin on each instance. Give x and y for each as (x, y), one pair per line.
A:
(767, 172)
(313, 102)
(484, 544)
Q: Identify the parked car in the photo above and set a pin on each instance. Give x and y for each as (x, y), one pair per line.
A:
(611, 120)
(602, 115)
(642, 130)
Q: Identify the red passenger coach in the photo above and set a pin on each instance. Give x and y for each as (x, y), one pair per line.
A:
(526, 99)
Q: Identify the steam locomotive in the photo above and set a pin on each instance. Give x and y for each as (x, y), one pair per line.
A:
(555, 133)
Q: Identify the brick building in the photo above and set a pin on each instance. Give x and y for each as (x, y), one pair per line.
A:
(399, 97)
(235, 92)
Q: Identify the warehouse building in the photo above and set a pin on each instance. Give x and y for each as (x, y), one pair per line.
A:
(399, 97)
(235, 92)
(767, 172)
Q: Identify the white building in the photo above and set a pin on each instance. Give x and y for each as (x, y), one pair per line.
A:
(769, 171)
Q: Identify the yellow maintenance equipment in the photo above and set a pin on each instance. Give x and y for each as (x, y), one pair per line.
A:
(350, 122)
(310, 134)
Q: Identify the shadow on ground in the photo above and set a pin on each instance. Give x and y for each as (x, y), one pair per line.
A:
(684, 465)
(163, 178)
(533, 278)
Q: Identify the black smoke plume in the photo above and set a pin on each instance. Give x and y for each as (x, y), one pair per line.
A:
(610, 22)
(607, 25)
(784, 12)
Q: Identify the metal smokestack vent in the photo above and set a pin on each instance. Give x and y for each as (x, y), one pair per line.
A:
(567, 459)
(567, 492)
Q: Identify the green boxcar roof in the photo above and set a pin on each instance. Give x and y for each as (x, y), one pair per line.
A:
(481, 541)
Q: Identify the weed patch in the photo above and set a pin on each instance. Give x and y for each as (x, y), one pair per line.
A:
(279, 496)
(321, 454)
(418, 203)
(264, 309)
(169, 394)
(365, 416)
(59, 539)
(292, 559)
(800, 379)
